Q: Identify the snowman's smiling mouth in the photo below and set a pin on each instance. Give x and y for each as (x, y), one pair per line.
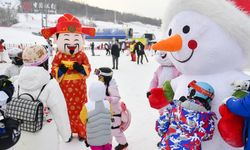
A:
(183, 61)
(164, 56)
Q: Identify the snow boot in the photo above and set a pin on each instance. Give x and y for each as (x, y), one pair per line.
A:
(121, 147)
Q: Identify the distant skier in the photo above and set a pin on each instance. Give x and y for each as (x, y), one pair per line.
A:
(115, 52)
(139, 48)
(92, 47)
(107, 48)
(2, 48)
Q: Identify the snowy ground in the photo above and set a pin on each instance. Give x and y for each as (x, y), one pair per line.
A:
(133, 81)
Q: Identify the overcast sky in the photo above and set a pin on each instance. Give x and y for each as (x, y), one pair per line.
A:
(148, 8)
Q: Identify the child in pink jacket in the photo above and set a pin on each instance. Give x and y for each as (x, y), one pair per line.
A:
(113, 96)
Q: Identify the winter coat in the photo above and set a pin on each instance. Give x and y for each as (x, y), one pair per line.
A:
(31, 80)
(139, 48)
(73, 85)
(13, 70)
(114, 99)
(241, 107)
(185, 129)
(162, 74)
(115, 50)
(96, 116)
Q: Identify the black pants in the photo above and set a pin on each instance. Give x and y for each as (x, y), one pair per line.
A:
(138, 57)
(107, 51)
(115, 62)
(93, 52)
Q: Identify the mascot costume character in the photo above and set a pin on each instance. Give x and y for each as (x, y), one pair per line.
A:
(71, 66)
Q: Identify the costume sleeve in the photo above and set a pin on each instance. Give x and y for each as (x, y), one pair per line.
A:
(86, 65)
(240, 106)
(58, 108)
(84, 115)
(155, 80)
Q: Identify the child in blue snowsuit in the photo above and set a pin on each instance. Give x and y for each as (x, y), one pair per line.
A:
(185, 123)
(241, 107)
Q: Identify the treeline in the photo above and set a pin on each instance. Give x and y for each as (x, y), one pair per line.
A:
(65, 6)
(7, 17)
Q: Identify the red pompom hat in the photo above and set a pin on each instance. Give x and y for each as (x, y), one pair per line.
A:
(68, 24)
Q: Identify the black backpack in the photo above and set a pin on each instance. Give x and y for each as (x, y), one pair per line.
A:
(10, 132)
(28, 111)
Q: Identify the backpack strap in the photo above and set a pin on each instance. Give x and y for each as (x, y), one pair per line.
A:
(51, 77)
(41, 91)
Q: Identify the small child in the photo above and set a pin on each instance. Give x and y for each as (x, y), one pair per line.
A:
(112, 95)
(15, 54)
(185, 123)
(97, 118)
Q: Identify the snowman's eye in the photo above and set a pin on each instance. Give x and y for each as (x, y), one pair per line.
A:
(186, 29)
(170, 32)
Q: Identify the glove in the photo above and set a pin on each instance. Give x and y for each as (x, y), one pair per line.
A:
(79, 68)
(157, 98)
(148, 94)
(241, 85)
(231, 127)
(62, 70)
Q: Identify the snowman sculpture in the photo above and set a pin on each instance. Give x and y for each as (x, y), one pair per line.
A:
(207, 40)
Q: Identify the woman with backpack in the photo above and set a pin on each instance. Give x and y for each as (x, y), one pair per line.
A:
(112, 95)
(34, 77)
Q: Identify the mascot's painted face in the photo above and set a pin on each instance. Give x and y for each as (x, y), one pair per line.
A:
(69, 43)
(162, 58)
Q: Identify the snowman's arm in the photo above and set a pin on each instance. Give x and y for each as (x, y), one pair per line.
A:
(155, 81)
(239, 106)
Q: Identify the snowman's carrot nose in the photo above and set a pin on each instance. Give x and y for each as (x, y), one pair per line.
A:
(171, 44)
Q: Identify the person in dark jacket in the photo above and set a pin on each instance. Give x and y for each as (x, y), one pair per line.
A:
(139, 48)
(92, 47)
(115, 52)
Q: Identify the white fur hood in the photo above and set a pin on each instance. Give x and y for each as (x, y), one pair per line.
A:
(97, 91)
(33, 78)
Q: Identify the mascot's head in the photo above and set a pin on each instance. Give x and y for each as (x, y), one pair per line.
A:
(68, 32)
